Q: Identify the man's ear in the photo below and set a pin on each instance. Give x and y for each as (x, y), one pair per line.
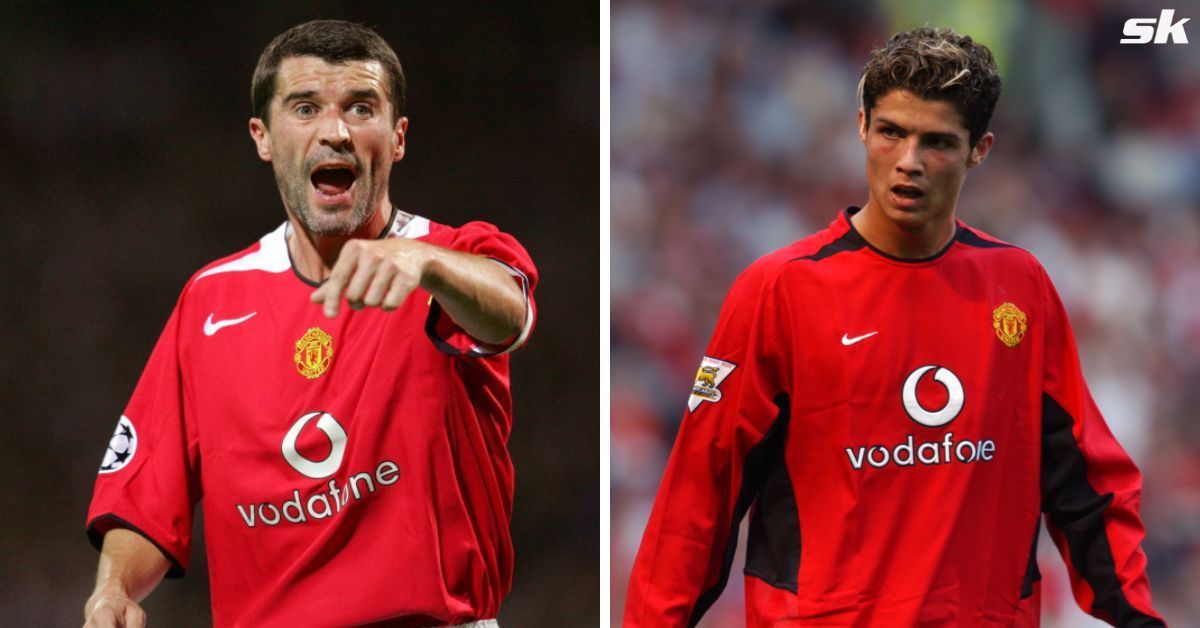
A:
(862, 126)
(262, 140)
(980, 150)
(400, 130)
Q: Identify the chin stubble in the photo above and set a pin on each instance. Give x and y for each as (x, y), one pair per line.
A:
(295, 195)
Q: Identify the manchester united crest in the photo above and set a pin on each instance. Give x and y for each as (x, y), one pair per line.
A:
(314, 351)
(1010, 324)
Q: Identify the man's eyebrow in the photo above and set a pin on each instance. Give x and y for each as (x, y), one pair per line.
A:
(365, 94)
(932, 135)
(299, 96)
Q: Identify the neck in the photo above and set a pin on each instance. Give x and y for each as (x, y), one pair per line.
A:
(314, 255)
(918, 239)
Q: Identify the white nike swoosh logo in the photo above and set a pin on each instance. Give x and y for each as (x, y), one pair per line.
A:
(211, 327)
(847, 340)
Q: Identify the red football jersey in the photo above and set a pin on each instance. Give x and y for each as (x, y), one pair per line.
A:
(352, 469)
(895, 428)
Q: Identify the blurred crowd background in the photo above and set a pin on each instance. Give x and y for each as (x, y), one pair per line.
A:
(128, 165)
(734, 134)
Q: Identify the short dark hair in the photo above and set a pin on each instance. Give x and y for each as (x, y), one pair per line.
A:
(334, 41)
(935, 64)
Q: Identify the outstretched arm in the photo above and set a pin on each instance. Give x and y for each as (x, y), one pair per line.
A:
(130, 568)
(478, 293)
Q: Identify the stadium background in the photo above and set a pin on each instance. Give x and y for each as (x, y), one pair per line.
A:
(128, 165)
(733, 134)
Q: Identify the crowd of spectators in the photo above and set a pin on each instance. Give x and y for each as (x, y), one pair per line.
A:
(734, 133)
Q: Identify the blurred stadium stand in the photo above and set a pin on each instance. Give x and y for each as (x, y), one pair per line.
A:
(734, 133)
(128, 165)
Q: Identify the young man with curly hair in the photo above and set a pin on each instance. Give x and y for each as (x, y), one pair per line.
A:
(896, 401)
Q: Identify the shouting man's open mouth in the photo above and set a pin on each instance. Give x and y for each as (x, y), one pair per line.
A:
(333, 182)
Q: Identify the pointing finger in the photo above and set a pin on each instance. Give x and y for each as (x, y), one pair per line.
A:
(345, 266)
(359, 281)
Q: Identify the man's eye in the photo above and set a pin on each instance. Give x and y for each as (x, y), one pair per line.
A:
(890, 133)
(361, 109)
(305, 111)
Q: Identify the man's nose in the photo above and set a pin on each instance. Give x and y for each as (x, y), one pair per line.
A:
(910, 157)
(333, 131)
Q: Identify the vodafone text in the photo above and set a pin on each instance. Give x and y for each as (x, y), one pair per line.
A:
(1142, 30)
(322, 504)
(909, 453)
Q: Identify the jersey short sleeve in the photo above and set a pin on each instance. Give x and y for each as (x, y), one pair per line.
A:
(148, 480)
(485, 240)
(737, 412)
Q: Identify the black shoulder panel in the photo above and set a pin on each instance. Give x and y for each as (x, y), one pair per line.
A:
(970, 238)
(847, 242)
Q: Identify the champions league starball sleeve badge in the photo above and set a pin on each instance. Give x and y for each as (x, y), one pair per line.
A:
(121, 447)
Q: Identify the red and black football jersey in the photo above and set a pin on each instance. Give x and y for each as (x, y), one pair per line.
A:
(351, 470)
(895, 430)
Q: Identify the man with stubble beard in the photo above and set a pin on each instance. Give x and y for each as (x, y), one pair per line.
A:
(352, 460)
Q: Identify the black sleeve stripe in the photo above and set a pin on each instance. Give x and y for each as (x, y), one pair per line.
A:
(754, 474)
(773, 537)
(1077, 509)
(435, 311)
(527, 325)
(97, 539)
(1032, 573)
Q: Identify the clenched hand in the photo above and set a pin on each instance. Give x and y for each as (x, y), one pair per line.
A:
(113, 611)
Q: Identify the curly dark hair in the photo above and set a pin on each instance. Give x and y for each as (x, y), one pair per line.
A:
(334, 41)
(935, 64)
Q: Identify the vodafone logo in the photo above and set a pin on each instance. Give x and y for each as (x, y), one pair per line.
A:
(933, 397)
(332, 496)
(954, 398)
(316, 469)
